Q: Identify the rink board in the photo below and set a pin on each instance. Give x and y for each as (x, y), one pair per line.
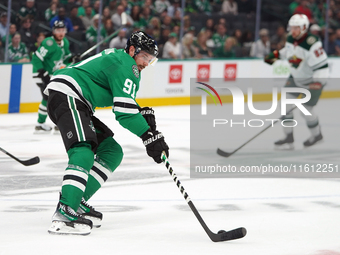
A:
(167, 83)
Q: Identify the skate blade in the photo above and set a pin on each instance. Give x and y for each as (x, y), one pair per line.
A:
(318, 142)
(41, 132)
(286, 147)
(95, 221)
(60, 228)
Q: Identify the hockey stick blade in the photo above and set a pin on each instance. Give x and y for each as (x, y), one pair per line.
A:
(30, 162)
(27, 162)
(228, 154)
(224, 153)
(222, 235)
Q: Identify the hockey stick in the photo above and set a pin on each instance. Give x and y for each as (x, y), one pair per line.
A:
(124, 21)
(27, 162)
(222, 235)
(228, 154)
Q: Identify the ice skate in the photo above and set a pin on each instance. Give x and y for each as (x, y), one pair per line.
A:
(66, 221)
(90, 213)
(313, 140)
(42, 128)
(285, 144)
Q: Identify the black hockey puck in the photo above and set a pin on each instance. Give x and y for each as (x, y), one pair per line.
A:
(221, 232)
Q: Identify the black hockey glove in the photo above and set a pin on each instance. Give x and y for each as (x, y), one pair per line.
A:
(75, 58)
(155, 145)
(272, 57)
(44, 76)
(149, 115)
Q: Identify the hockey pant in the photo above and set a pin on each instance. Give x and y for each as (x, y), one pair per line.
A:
(93, 153)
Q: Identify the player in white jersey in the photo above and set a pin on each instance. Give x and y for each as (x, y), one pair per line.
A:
(309, 70)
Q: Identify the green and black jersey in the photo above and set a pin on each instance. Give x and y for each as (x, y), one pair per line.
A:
(51, 56)
(110, 78)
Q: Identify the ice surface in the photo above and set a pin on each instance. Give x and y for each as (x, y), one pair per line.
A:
(144, 212)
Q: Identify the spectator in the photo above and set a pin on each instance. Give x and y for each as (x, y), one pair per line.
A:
(149, 3)
(3, 24)
(41, 36)
(172, 48)
(12, 31)
(155, 23)
(66, 20)
(117, 20)
(315, 30)
(337, 42)
(332, 45)
(145, 16)
(238, 37)
(210, 25)
(17, 51)
(161, 6)
(108, 26)
(164, 37)
(229, 7)
(175, 6)
(202, 6)
(91, 32)
(77, 23)
(227, 49)
(187, 23)
(135, 14)
(28, 11)
(279, 39)
(167, 22)
(51, 12)
(119, 42)
(112, 7)
(304, 9)
(82, 9)
(293, 5)
(247, 39)
(189, 50)
(70, 3)
(220, 36)
(201, 44)
(261, 47)
(87, 18)
(27, 34)
(332, 21)
(96, 6)
(177, 18)
(106, 13)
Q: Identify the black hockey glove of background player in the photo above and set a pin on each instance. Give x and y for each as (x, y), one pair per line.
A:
(272, 57)
(149, 115)
(44, 76)
(75, 58)
(155, 145)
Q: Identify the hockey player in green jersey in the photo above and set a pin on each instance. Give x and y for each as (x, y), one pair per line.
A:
(110, 78)
(52, 55)
(309, 70)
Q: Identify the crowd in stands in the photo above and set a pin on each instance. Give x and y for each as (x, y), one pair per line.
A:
(212, 28)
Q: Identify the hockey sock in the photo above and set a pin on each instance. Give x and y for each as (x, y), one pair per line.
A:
(288, 119)
(312, 121)
(81, 159)
(108, 158)
(42, 112)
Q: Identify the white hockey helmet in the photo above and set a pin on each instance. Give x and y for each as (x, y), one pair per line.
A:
(299, 20)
